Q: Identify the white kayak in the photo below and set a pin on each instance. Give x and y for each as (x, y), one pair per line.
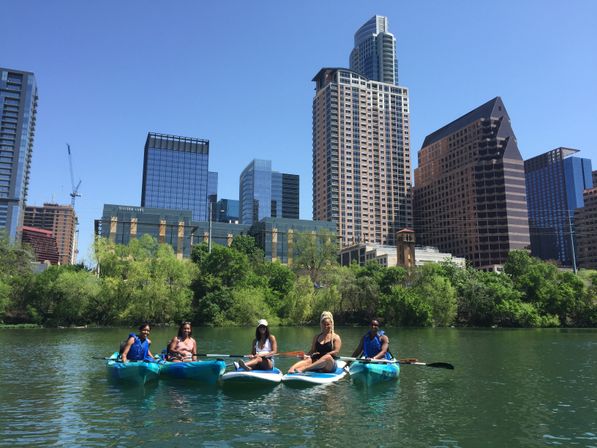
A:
(273, 376)
(310, 377)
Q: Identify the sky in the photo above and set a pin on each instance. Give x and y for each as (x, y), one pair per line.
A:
(239, 74)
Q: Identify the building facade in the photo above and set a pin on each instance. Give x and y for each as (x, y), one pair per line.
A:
(585, 223)
(555, 182)
(470, 195)
(62, 222)
(227, 211)
(374, 52)
(122, 223)
(18, 110)
(389, 255)
(264, 193)
(361, 156)
(176, 176)
(42, 242)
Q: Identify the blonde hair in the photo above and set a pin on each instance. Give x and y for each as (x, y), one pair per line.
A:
(327, 315)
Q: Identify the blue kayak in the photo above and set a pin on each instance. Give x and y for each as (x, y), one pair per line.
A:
(369, 373)
(203, 371)
(313, 377)
(133, 372)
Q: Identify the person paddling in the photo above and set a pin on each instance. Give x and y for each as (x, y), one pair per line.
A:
(264, 347)
(326, 345)
(374, 344)
(182, 348)
(136, 347)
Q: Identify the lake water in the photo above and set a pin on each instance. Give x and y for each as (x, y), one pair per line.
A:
(515, 388)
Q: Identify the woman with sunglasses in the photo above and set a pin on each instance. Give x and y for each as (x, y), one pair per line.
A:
(263, 348)
(374, 344)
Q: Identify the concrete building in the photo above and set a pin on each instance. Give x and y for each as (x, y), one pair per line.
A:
(18, 111)
(555, 182)
(585, 220)
(264, 193)
(388, 255)
(176, 176)
(374, 52)
(61, 221)
(470, 195)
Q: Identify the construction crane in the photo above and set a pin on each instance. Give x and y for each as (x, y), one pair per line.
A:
(74, 194)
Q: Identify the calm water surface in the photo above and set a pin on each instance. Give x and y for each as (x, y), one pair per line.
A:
(510, 388)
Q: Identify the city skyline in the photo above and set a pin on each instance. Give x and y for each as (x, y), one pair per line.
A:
(543, 68)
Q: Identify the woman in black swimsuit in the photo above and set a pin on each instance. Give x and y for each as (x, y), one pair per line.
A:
(325, 346)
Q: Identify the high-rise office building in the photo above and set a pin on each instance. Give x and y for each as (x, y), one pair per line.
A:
(227, 211)
(264, 193)
(374, 52)
(176, 176)
(555, 182)
(470, 196)
(42, 242)
(61, 221)
(361, 156)
(18, 109)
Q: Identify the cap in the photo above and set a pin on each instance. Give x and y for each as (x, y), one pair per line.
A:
(262, 322)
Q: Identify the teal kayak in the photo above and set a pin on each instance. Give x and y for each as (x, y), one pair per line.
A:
(134, 372)
(203, 371)
(369, 373)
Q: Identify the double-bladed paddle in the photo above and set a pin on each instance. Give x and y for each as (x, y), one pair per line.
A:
(408, 361)
(295, 354)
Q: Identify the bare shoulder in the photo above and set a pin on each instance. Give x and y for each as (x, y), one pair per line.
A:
(272, 337)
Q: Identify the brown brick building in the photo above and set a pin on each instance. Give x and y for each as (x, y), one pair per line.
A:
(585, 220)
(61, 221)
(470, 195)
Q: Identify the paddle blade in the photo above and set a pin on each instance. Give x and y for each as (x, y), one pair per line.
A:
(295, 354)
(441, 365)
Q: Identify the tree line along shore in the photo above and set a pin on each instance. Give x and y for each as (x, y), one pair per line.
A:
(234, 286)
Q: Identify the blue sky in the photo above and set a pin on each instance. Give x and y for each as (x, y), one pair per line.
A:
(239, 74)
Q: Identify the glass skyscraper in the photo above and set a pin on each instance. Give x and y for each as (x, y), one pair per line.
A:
(265, 193)
(176, 176)
(555, 182)
(18, 108)
(374, 52)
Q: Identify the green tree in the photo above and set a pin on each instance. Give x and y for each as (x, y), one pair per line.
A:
(315, 253)
(403, 306)
(245, 244)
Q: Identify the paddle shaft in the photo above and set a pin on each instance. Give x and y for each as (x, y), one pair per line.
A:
(221, 355)
(408, 361)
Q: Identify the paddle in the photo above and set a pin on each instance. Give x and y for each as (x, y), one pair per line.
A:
(409, 361)
(297, 354)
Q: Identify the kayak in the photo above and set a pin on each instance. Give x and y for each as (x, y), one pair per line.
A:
(369, 373)
(255, 377)
(314, 377)
(204, 371)
(135, 372)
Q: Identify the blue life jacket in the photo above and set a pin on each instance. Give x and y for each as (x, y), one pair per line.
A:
(372, 347)
(139, 350)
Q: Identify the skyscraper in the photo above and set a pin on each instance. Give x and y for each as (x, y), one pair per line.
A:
(264, 193)
(61, 221)
(175, 174)
(361, 156)
(470, 196)
(585, 230)
(555, 182)
(374, 52)
(18, 109)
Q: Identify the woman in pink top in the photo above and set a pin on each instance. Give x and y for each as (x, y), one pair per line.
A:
(183, 348)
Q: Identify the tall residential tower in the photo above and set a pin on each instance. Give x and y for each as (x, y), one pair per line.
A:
(18, 109)
(374, 52)
(470, 196)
